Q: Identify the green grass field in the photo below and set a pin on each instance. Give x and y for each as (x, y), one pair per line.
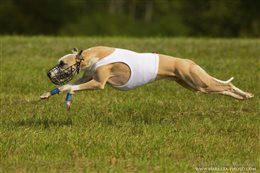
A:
(160, 127)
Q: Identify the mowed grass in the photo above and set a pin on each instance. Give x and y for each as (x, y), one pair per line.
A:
(160, 127)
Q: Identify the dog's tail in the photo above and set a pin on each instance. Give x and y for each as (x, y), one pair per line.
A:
(224, 82)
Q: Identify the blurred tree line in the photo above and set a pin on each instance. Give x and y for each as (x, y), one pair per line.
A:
(213, 18)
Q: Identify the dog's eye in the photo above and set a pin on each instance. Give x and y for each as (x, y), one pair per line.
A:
(61, 63)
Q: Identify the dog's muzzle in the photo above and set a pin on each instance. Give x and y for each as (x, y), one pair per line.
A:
(60, 76)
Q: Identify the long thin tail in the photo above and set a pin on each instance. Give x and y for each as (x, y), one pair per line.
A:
(224, 82)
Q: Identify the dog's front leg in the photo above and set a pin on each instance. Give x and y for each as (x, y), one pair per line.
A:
(58, 90)
(85, 78)
(91, 85)
(101, 77)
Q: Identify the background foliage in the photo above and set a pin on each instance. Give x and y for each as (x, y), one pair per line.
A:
(212, 18)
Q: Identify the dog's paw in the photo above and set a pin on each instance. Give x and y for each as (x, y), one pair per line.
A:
(249, 95)
(45, 95)
(68, 105)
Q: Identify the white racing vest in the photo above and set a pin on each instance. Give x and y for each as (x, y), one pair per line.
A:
(143, 66)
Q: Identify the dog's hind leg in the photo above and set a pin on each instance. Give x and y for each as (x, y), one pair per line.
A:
(198, 79)
(214, 85)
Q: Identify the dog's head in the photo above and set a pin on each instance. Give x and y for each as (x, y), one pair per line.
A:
(68, 66)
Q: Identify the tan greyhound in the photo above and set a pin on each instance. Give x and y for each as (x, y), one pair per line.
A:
(125, 70)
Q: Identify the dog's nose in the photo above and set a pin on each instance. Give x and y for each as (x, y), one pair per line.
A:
(49, 74)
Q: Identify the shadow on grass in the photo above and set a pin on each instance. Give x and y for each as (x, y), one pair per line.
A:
(46, 122)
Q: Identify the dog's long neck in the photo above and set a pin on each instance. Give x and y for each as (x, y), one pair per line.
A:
(89, 62)
(92, 55)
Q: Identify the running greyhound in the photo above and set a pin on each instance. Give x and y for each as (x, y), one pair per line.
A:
(125, 70)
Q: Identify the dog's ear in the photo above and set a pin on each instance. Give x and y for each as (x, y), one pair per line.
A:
(79, 55)
(80, 52)
(75, 50)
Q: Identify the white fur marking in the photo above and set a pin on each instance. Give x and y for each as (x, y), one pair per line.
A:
(91, 62)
